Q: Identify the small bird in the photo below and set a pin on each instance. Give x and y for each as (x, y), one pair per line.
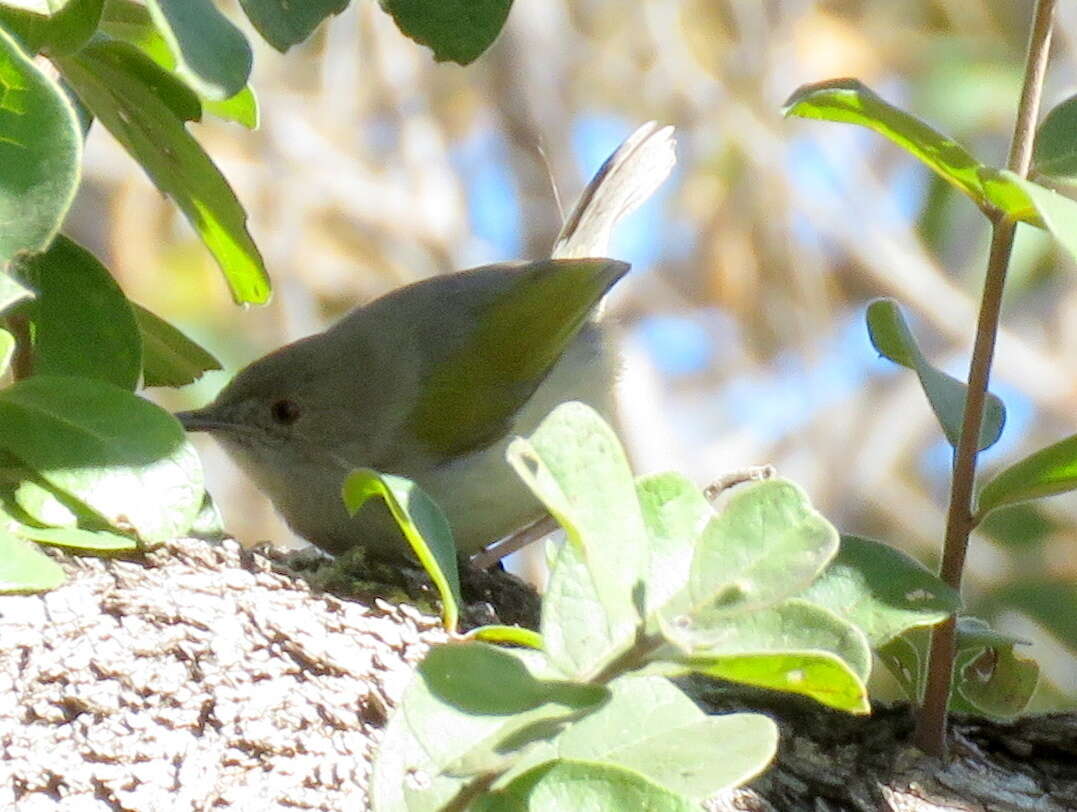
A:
(432, 380)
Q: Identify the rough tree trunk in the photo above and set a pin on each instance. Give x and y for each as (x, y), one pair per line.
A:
(200, 678)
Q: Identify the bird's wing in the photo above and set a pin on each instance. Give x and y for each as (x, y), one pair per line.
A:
(520, 328)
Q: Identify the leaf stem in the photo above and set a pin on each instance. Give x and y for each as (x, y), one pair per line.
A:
(930, 735)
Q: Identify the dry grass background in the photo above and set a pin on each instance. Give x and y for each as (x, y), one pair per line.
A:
(759, 258)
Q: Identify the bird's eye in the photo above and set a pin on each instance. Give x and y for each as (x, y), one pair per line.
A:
(284, 412)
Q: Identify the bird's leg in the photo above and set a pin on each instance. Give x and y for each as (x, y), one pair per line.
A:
(517, 541)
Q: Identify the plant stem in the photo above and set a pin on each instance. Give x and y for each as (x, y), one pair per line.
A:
(930, 735)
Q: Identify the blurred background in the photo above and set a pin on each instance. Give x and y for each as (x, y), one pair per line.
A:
(742, 320)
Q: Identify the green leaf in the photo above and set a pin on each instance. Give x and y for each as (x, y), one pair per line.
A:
(575, 465)
(83, 324)
(675, 513)
(585, 786)
(100, 541)
(242, 108)
(283, 23)
(882, 591)
(455, 30)
(989, 678)
(1049, 471)
(63, 32)
(996, 682)
(423, 525)
(1009, 197)
(824, 677)
(481, 679)
(169, 358)
(131, 22)
(651, 727)
(515, 635)
(12, 291)
(46, 8)
(7, 350)
(791, 627)
(120, 456)
(893, 339)
(430, 747)
(40, 153)
(850, 101)
(213, 54)
(766, 545)
(1051, 601)
(1057, 212)
(1055, 151)
(111, 78)
(577, 635)
(24, 568)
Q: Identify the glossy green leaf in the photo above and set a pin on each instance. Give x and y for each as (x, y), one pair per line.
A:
(24, 568)
(575, 465)
(824, 677)
(214, 56)
(455, 30)
(100, 541)
(101, 447)
(514, 635)
(767, 544)
(7, 350)
(850, 101)
(1057, 212)
(675, 513)
(131, 22)
(893, 339)
(584, 785)
(110, 77)
(283, 23)
(651, 727)
(63, 32)
(1051, 601)
(481, 679)
(242, 108)
(169, 358)
(40, 153)
(83, 324)
(1055, 150)
(1049, 471)
(1008, 196)
(423, 525)
(882, 591)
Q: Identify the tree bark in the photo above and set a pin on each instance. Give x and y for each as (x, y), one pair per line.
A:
(199, 677)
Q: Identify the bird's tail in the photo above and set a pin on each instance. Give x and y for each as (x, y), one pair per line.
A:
(627, 178)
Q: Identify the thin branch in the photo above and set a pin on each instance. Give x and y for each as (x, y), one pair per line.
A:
(930, 733)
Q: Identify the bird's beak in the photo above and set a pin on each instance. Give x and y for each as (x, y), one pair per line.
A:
(201, 420)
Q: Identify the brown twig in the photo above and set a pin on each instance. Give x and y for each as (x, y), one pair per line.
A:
(930, 735)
